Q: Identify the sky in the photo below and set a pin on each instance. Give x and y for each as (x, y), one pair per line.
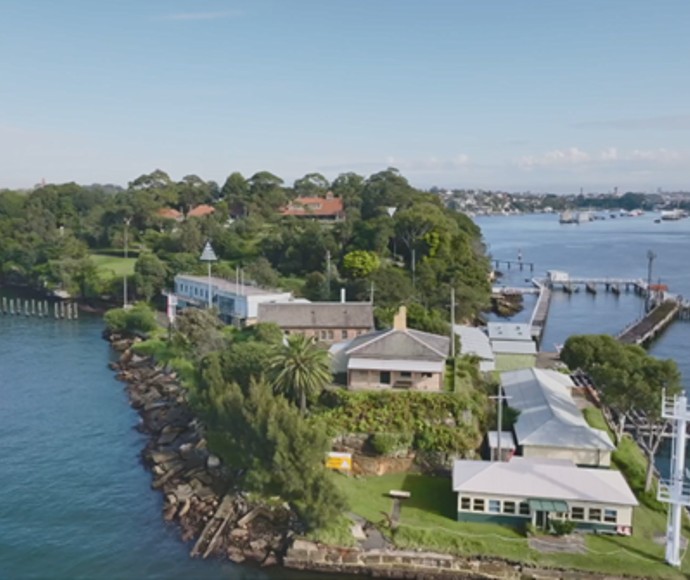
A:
(516, 95)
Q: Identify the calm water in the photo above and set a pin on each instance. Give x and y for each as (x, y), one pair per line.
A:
(608, 248)
(75, 501)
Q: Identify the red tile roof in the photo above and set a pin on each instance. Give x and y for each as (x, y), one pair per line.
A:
(169, 213)
(315, 206)
(201, 210)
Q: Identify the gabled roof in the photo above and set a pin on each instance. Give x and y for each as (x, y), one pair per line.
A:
(315, 206)
(319, 314)
(509, 331)
(549, 416)
(474, 341)
(400, 344)
(201, 210)
(169, 213)
(542, 478)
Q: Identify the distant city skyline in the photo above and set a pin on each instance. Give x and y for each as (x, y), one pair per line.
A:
(517, 96)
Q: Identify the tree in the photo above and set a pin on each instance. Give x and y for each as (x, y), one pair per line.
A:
(149, 275)
(235, 191)
(311, 185)
(300, 369)
(139, 319)
(360, 264)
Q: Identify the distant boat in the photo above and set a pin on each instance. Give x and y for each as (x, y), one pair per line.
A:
(583, 217)
(671, 214)
(567, 217)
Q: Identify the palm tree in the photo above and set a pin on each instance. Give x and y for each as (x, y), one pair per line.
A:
(299, 368)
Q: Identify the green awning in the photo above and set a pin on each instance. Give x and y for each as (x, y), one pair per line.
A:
(547, 505)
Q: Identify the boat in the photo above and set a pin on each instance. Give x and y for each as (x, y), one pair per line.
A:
(671, 214)
(583, 217)
(567, 217)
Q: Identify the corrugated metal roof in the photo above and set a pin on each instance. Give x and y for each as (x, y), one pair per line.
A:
(549, 416)
(401, 344)
(544, 479)
(474, 341)
(513, 347)
(318, 314)
(231, 288)
(403, 365)
(509, 331)
(507, 440)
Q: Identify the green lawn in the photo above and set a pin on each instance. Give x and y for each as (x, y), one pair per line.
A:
(428, 521)
(112, 266)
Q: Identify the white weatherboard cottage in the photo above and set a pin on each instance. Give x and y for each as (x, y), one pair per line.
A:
(550, 424)
(539, 491)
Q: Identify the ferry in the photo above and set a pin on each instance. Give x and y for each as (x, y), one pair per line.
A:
(671, 214)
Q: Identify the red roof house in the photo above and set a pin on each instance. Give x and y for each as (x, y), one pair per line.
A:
(201, 210)
(323, 208)
(168, 213)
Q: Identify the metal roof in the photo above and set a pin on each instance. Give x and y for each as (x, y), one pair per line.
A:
(474, 341)
(547, 505)
(403, 365)
(507, 440)
(509, 331)
(223, 285)
(549, 416)
(542, 479)
(401, 344)
(318, 314)
(513, 347)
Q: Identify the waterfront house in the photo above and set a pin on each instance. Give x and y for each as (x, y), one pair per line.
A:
(512, 345)
(237, 303)
(538, 491)
(475, 342)
(327, 322)
(398, 358)
(327, 208)
(550, 425)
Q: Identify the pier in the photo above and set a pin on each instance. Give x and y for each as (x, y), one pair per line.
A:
(540, 313)
(518, 263)
(41, 308)
(653, 323)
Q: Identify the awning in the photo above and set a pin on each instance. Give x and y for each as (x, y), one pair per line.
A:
(547, 505)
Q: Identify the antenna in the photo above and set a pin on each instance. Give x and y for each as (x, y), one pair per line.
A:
(675, 491)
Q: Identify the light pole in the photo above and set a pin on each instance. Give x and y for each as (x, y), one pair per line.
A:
(499, 400)
(127, 221)
(208, 256)
(650, 257)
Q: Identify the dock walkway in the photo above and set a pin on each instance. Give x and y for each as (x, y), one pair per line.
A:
(645, 329)
(541, 310)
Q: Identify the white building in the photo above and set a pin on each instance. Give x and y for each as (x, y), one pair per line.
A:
(538, 491)
(550, 424)
(512, 345)
(237, 303)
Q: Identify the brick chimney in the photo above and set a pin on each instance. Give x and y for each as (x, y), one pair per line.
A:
(400, 319)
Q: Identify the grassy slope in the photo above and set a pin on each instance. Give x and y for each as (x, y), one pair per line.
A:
(112, 266)
(428, 521)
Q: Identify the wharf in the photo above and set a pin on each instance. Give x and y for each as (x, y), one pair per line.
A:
(648, 327)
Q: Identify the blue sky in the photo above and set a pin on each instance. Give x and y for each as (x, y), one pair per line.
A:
(540, 95)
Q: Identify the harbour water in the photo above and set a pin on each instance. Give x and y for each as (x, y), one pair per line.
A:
(76, 500)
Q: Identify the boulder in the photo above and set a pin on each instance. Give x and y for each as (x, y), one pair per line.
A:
(213, 462)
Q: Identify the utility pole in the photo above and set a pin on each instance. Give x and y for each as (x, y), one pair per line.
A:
(452, 324)
(499, 401)
(328, 273)
(127, 221)
(650, 257)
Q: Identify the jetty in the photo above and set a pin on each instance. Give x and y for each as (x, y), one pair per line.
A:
(40, 308)
(654, 322)
(540, 313)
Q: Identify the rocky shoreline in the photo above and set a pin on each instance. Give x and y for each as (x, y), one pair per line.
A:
(199, 493)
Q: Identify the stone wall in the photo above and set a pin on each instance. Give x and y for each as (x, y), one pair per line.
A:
(406, 564)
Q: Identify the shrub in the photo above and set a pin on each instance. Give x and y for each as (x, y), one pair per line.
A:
(390, 443)
(562, 527)
(139, 319)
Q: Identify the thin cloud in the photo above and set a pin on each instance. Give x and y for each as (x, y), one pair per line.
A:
(658, 123)
(192, 16)
(609, 158)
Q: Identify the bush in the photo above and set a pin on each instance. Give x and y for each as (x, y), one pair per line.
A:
(562, 527)
(390, 443)
(139, 319)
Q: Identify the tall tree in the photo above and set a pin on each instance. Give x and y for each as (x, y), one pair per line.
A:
(300, 369)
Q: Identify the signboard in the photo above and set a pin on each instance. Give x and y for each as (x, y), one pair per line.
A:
(339, 461)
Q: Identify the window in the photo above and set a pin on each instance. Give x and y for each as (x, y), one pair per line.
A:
(494, 506)
(508, 507)
(343, 334)
(385, 377)
(524, 508)
(330, 334)
(406, 374)
(595, 514)
(478, 504)
(323, 334)
(577, 513)
(426, 375)
(610, 516)
(465, 503)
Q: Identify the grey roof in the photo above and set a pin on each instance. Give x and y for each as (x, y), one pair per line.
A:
(400, 344)
(474, 341)
(318, 314)
(549, 416)
(509, 331)
(507, 440)
(223, 285)
(542, 478)
(514, 347)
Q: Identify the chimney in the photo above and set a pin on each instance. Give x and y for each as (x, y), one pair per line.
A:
(342, 295)
(400, 319)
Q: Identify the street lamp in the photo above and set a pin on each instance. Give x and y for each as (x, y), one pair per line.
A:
(209, 256)
(127, 221)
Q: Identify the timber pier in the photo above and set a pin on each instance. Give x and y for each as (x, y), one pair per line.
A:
(41, 308)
